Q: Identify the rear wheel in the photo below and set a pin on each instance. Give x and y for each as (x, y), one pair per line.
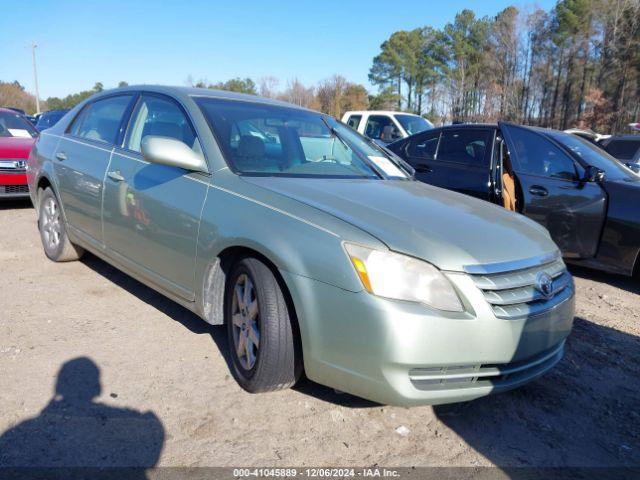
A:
(53, 231)
(261, 334)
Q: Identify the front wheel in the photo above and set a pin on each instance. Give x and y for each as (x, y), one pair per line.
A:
(263, 342)
(53, 231)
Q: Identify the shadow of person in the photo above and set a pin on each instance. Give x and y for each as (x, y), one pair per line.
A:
(74, 430)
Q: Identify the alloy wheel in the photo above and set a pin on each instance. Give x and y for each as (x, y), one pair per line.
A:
(245, 316)
(51, 224)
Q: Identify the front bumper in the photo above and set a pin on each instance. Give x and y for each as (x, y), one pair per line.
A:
(13, 185)
(403, 353)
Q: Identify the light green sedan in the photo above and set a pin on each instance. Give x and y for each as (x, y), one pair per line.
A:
(313, 245)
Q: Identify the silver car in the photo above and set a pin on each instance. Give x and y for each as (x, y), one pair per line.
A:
(313, 245)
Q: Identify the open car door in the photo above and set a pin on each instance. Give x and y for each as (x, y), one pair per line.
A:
(554, 192)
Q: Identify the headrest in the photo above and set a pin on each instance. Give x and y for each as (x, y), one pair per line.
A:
(163, 129)
(107, 127)
(387, 132)
(251, 146)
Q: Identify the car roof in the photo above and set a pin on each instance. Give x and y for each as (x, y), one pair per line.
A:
(8, 110)
(55, 111)
(204, 92)
(379, 112)
(466, 125)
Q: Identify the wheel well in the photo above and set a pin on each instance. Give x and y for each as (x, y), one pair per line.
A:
(215, 287)
(42, 184)
(215, 281)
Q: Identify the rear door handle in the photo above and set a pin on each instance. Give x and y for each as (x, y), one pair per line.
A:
(538, 191)
(61, 156)
(115, 176)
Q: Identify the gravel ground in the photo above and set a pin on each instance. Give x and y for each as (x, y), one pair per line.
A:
(118, 375)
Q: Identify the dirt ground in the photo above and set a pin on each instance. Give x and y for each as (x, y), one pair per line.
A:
(165, 395)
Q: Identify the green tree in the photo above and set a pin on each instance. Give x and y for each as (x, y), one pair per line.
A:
(239, 85)
(466, 39)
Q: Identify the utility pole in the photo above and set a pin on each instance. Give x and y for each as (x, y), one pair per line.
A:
(35, 75)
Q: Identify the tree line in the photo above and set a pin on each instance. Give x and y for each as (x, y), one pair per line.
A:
(334, 95)
(13, 94)
(576, 65)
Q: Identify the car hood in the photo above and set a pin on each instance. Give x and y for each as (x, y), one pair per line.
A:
(447, 229)
(15, 147)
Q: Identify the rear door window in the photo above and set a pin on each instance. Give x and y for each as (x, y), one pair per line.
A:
(424, 146)
(466, 146)
(101, 120)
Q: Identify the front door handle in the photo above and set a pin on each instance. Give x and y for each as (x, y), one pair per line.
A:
(115, 176)
(538, 191)
(61, 156)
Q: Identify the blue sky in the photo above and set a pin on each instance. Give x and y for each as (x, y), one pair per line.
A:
(165, 41)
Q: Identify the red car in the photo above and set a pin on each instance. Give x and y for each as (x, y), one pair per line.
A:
(17, 136)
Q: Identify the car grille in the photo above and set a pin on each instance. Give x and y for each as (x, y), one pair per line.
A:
(515, 294)
(490, 374)
(11, 189)
(16, 165)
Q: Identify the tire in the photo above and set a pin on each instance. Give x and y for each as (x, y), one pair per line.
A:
(53, 230)
(263, 314)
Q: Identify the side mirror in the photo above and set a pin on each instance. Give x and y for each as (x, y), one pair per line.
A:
(593, 174)
(171, 152)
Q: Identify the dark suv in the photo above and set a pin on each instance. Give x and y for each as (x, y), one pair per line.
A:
(583, 196)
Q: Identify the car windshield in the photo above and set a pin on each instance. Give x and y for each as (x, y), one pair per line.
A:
(413, 124)
(49, 119)
(15, 125)
(623, 149)
(595, 156)
(274, 140)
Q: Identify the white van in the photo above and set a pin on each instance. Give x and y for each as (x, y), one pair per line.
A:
(384, 126)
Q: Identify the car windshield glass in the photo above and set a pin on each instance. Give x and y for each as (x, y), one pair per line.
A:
(15, 125)
(274, 140)
(595, 156)
(49, 119)
(413, 124)
(623, 149)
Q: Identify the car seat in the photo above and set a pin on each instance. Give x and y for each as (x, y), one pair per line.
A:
(251, 153)
(509, 200)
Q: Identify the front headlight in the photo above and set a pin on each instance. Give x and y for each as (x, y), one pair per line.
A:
(392, 275)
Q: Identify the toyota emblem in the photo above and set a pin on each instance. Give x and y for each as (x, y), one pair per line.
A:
(544, 284)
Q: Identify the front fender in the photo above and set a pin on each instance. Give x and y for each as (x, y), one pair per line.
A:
(291, 241)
